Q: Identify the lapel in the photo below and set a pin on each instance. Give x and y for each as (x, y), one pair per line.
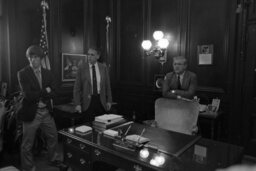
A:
(43, 75)
(32, 75)
(101, 69)
(87, 72)
(173, 81)
(185, 80)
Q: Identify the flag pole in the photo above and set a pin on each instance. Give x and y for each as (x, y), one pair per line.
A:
(44, 38)
(108, 19)
(45, 7)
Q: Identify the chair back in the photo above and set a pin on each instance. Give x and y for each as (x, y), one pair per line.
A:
(177, 115)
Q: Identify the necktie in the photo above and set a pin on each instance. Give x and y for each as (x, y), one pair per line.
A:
(39, 78)
(94, 80)
(178, 84)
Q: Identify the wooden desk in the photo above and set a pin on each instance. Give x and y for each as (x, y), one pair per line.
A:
(212, 118)
(68, 112)
(65, 112)
(80, 152)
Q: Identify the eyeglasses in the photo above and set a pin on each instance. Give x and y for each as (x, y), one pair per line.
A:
(91, 54)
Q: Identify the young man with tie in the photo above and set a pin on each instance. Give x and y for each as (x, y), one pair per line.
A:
(39, 87)
(180, 83)
(92, 91)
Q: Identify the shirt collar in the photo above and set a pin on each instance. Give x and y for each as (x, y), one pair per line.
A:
(182, 75)
(96, 64)
(38, 69)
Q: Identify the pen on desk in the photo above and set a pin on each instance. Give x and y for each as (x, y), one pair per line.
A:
(127, 130)
(142, 132)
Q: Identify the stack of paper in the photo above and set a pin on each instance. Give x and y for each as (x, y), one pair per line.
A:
(108, 118)
(136, 139)
(110, 133)
(83, 129)
(107, 121)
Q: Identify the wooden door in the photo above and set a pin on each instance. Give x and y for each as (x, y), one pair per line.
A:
(249, 91)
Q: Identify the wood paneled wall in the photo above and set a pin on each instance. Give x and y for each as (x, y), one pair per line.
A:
(189, 23)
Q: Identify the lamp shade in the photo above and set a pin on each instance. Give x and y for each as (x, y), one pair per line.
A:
(163, 43)
(146, 44)
(158, 35)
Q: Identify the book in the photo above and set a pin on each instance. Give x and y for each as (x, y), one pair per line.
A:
(107, 118)
(108, 125)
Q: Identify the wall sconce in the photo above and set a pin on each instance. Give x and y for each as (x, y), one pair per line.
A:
(159, 50)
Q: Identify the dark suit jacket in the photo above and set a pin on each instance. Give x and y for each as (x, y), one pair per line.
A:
(188, 87)
(33, 93)
(83, 86)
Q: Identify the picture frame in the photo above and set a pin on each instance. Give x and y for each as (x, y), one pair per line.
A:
(205, 54)
(70, 64)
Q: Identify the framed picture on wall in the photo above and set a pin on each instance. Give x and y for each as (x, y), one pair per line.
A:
(205, 54)
(70, 64)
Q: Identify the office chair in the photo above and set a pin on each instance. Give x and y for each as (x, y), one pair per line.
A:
(177, 115)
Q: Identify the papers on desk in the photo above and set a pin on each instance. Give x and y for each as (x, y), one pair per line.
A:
(108, 118)
(83, 130)
(137, 139)
(202, 107)
(110, 133)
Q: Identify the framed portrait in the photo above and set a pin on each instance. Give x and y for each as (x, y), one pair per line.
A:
(205, 54)
(70, 64)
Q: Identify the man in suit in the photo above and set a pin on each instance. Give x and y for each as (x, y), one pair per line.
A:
(38, 87)
(180, 83)
(92, 91)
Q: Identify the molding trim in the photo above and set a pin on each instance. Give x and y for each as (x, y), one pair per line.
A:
(211, 89)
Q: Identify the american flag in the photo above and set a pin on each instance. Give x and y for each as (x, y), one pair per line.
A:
(43, 38)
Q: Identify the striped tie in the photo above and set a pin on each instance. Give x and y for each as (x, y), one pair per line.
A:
(39, 78)
(178, 84)
(94, 81)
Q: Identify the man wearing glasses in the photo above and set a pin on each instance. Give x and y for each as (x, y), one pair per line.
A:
(180, 83)
(92, 91)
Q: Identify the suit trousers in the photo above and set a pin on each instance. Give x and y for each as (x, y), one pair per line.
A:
(45, 122)
(95, 109)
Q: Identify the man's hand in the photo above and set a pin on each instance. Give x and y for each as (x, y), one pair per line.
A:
(78, 109)
(48, 89)
(108, 106)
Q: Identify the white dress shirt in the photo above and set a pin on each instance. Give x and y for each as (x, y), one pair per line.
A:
(97, 76)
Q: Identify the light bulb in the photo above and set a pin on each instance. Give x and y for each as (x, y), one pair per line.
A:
(154, 162)
(144, 153)
(146, 44)
(158, 35)
(160, 160)
(71, 130)
(163, 43)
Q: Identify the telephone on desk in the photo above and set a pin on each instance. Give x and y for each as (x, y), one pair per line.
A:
(212, 108)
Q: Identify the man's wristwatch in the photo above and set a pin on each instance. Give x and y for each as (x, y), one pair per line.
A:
(173, 91)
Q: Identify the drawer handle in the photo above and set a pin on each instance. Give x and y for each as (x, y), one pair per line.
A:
(69, 155)
(137, 168)
(82, 161)
(69, 141)
(97, 152)
(82, 146)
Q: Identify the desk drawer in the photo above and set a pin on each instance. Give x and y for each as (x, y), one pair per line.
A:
(76, 158)
(79, 145)
(99, 155)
